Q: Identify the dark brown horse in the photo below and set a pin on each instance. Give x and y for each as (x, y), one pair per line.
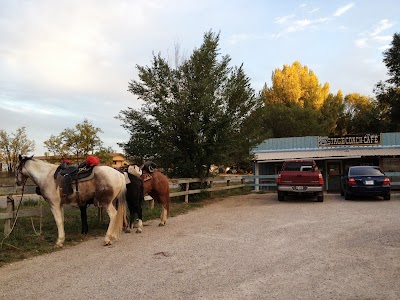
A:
(156, 184)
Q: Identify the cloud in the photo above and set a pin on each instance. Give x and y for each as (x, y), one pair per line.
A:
(341, 10)
(294, 24)
(361, 43)
(283, 19)
(300, 25)
(381, 26)
(374, 38)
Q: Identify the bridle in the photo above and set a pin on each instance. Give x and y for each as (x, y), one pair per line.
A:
(19, 173)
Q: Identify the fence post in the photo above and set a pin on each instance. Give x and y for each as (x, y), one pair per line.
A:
(8, 222)
(100, 213)
(187, 189)
(151, 203)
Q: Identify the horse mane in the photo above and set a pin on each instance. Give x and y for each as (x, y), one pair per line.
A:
(25, 158)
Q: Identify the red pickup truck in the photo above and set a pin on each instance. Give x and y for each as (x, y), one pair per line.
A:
(300, 177)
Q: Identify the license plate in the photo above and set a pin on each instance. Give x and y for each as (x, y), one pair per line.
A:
(369, 182)
(299, 187)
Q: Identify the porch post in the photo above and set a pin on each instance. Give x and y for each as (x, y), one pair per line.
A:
(256, 179)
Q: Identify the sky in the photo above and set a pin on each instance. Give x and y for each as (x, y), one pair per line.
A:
(62, 62)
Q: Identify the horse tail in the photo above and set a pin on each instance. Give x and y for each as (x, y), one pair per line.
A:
(121, 218)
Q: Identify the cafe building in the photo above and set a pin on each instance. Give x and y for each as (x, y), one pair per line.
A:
(333, 155)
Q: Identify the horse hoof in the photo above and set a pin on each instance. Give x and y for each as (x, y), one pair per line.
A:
(127, 230)
(107, 243)
(161, 224)
(59, 244)
(139, 230)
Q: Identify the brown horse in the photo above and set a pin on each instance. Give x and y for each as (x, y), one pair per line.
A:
(156, 184)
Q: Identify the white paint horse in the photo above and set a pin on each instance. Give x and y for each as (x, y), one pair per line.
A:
(106, 189)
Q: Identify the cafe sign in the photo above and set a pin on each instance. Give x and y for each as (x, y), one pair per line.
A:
(349, 140)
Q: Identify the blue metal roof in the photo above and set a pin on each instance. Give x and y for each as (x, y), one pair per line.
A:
(389, 139)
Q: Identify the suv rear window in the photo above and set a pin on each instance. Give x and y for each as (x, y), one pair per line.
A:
(371, 171)
(296, 166)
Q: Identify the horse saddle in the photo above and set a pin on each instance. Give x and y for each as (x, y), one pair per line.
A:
(146, 177)
(73, 174)
(149, 167)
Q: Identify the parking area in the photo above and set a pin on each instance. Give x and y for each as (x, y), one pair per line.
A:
(240, 247)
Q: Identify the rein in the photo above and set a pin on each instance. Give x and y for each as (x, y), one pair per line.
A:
(16, 213)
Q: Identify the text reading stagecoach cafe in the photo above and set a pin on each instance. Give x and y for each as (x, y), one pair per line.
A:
(333, 155)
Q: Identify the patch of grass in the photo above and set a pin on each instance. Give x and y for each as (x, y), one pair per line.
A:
(29, 202)
(31, 237)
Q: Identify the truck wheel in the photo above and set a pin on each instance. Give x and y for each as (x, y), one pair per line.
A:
(347, 196)
(386, 196)
(281, 196)
(320, 197)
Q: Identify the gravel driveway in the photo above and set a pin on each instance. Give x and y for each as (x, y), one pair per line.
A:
(243, 247)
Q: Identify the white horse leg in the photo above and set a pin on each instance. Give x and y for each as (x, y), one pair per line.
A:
(163, 217)
(62, 213)
(135, 224)
(112, 213)
(128, 229)
(58, 214)
(139, 226)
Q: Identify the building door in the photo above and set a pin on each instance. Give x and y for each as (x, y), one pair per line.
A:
(333, 175)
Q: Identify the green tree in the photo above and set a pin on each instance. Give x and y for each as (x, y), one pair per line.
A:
(392, 61)
(104, 154)
(281, 120)
(13, 145)
(193, 115)
(332, 111)
(79, 141)
(388, 92)
(361, 115)
(55, 145)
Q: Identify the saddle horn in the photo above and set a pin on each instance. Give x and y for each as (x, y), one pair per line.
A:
(149, 166)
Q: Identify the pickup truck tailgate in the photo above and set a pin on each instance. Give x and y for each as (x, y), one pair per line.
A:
(299, 178)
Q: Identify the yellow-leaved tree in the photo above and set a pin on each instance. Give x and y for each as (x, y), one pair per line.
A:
(296, 84)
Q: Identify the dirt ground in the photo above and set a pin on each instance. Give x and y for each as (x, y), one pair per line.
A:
(243, 247)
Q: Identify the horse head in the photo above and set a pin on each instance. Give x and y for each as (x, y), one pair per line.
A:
(135, 170)
(20, 177)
